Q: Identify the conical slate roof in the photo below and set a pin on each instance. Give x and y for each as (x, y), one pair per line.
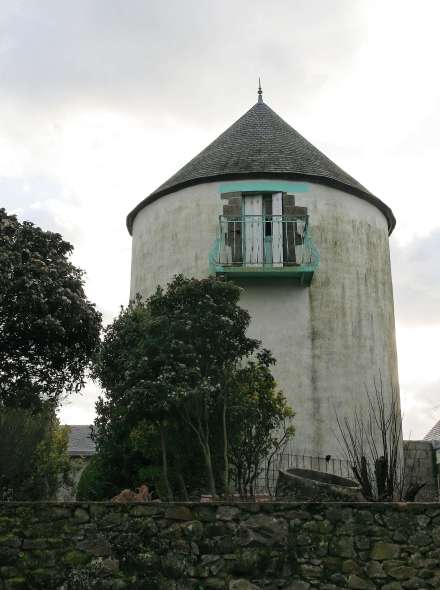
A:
(262, 144)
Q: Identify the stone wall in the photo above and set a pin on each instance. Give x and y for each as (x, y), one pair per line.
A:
(420, 465)
(292, 546)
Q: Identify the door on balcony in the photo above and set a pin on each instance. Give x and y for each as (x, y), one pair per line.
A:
(277, 229)
(263, 230)
(273, 229)
(253, 230)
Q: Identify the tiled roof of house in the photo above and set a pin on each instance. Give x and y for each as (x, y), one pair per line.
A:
(259, 144)
(80, 443)
(434, 433)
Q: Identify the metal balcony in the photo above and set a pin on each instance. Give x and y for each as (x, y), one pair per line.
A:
(263, 246)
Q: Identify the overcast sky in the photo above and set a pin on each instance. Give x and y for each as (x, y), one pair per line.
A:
(102, 100)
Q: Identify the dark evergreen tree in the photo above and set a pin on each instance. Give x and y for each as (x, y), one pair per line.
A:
(168, 367)
(48, 328)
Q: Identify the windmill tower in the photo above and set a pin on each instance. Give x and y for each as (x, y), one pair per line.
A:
(309, 246)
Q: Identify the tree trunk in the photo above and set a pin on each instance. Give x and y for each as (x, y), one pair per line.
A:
(204, 435)
(203, 438)
(211, 478)
(165, 462)
(227, 491)
(182, 486)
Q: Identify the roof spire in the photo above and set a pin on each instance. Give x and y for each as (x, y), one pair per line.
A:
(260, 92)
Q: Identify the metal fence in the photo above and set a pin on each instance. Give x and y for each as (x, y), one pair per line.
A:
(267, 480)
(264, 240)
(265, 484)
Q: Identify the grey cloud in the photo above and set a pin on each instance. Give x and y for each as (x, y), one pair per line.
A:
(423, 409)
(195, 63)
(173, 56)
(78, 408)
(25, 194)
(416, 277)
(28, 197)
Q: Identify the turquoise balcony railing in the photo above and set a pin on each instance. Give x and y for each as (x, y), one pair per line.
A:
(263, 245)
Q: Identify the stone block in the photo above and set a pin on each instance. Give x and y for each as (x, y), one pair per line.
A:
(227, 513)
(9, 555)
(358, 583)
(152, 510)
(214, 584)
(374, 569)
(81, 515)
(178, 512)
(264, 529)
(420, 539)
(205, 513)
(17, 583)
(193, 530)
(174, 565)
(310, 571)
(242, 584)
(415, 584)
(342, 546)
(298, 585)
(109, 566)
(98, 547)
(34, 544)
(349, 566)
(382, 551)
(402, 572)
(76, 558)
(12, 541)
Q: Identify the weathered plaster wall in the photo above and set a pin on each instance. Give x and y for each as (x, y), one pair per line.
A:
(331, 339)
(174, 235)
(219, 546)
(67, 490)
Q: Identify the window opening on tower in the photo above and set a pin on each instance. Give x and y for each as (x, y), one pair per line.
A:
(262, 233)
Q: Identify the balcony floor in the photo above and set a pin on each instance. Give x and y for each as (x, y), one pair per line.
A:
(302, 274)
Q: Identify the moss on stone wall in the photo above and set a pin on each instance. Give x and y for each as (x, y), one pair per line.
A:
(295, 546)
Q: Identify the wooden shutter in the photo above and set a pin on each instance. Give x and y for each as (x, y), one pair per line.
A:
(253, 229)
(277, 229)
(231, 225)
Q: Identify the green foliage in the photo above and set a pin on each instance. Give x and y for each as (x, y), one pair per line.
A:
(205, 338)
(116, 466)
(259, 421)
(33, 454)
(48, 328)
(167, 366)
(90, 485)
(176, 344)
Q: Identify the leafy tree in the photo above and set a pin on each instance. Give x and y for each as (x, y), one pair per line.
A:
(118, 464)
(259, 422)
(48, 328)
(131, 456)
(33, 454)
(89, 484)
(171, 364)
(206, 339)
(129, 368)
(165, 360)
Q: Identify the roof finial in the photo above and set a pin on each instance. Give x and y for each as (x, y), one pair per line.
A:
(260, 92)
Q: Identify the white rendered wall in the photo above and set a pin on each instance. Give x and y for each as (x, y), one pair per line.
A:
(330, 339)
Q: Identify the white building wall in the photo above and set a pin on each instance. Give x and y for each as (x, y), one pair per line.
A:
(330, 339)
